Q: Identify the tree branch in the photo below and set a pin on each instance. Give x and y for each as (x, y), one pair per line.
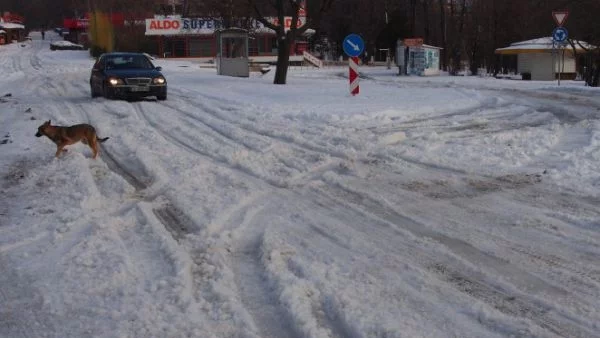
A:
(261, 18)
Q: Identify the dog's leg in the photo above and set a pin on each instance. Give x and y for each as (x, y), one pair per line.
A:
(60, 149)
(94, 145)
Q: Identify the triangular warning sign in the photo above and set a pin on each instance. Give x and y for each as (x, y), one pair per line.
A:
(560, 17)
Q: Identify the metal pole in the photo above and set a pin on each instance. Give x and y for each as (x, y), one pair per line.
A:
(563, 60)
(559, 70)
(558, 56)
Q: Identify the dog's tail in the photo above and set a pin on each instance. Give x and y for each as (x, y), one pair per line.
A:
(102, 139)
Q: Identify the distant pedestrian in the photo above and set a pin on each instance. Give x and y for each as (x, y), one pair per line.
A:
(43, 34)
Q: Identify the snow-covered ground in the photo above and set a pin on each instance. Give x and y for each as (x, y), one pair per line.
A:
(424, 207)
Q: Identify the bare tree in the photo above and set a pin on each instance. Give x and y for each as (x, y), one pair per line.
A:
(285, 38)
(443, 28)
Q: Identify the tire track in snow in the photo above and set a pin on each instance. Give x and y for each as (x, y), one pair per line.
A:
(227, 133)
(177, 141)
(581, 99)
(310, 161)
(260, 142)
(17, 66)
(513, 305)
(119, 169)
(218, 130)
(252, 281)
(218, 134)
(269, 316)
(313, 174)
(136, 178)
(552, 261)
(326, 314)
(34, 59)
(464, 280)
(253, 129)
(170, 216)
(580, 273)
(210, 156)
(174, 220)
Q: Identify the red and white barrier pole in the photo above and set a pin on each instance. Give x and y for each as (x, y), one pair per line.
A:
(353, 62)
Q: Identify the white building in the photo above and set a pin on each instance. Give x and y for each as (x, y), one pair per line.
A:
(540, 58)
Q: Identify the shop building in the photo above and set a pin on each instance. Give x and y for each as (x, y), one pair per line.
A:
(13, 28)
(195, 38)
(542, 59)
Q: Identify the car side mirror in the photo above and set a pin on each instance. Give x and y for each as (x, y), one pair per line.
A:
(159, 68)
(95, 70)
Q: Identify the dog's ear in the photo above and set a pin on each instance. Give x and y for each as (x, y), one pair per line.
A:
(47, 122)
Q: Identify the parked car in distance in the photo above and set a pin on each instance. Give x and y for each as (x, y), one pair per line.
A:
(65, 45)
(127, 75)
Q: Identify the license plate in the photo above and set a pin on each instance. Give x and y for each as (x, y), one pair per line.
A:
(140, 89)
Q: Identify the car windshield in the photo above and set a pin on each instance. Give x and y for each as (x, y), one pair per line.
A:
(128, 62)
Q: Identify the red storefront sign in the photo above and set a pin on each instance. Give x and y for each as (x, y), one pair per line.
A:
(413, 42)
(76, 23)
(116, 19)
(165, 24)
(288, 22)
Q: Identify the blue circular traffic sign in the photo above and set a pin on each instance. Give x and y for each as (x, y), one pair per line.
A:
(353, 45)
(560, 34)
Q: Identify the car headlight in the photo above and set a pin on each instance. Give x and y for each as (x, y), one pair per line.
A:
(159, 80)
(113, 81)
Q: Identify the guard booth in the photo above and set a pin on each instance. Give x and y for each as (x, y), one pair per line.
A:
(413, 57)
(232, 52)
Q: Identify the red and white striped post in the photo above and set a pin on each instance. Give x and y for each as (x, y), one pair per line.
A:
(353, 76)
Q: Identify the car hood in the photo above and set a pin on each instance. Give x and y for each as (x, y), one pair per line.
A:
(125, 73)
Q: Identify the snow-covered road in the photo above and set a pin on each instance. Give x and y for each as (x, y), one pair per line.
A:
(424, 207)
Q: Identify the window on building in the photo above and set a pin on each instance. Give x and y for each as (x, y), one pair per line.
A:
(179, 48)
(274, 45)
(201, 47)
(253, 46)
(263, 42)
(260, 45)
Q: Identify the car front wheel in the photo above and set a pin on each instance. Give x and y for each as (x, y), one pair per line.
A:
(94, 93)
(107, 93)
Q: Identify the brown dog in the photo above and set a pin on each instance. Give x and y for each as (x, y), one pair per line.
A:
(64, 136)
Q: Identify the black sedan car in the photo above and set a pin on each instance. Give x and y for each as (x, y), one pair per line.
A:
(127, 75)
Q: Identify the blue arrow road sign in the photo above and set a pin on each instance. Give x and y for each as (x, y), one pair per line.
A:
(353, 45)
(560, 34)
